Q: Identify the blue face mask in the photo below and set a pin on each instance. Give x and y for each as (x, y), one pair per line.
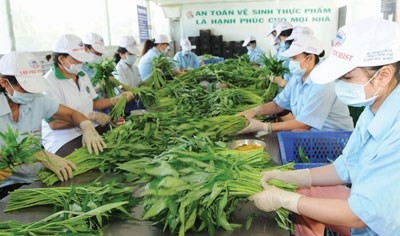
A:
(283, 46)
(354, 94)
(249, 48)
(277, 46)
(295, 69)
(21, 98)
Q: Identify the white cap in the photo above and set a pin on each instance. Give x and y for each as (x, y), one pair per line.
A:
(248, 40)
(161, 38)
(308, 44)
(27, 70)
(300, 30)
(273, 28)
(282, 26)
(129, 43)
(73, 45)
(96, 41)
(186, 45)
(369, 42)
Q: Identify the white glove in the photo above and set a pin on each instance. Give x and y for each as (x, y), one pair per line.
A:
(60, 166)
(271, 78)
(219, 85)
(129, 95)
(99, 117)
(255, 126)
(4, 174)
(273, 198)
(91, 138)
(301, 178)
(249, 114)
(204, 83)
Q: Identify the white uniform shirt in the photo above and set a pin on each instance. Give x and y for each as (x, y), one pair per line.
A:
(128, 75)
(76, 96)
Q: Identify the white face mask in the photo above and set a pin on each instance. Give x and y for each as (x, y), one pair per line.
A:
(130, 59)
(73, 68)
(96, 59)
(354, 94)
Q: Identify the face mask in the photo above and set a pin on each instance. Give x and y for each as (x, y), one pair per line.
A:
(96, 59)
(354, 94)
(130, 59)
(249, 48)
(21, 98)
(276, 46)
(283, 45)
(73, 68)
(295, 69)
(186, 52)
(165, 51)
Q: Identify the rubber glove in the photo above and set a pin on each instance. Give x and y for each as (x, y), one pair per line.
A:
(278, 80)
(249, 114)
(91, 138)
(60, 166)
(4, 174)
(99, 117)
(129, 95)
(204, 83)
(301, 178)
(256, 125)
(219, 85)
(273, 198)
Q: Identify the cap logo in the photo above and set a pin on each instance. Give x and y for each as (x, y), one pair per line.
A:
(340, 38)
(34, 64)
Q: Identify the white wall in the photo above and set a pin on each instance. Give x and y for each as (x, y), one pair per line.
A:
(236, 21)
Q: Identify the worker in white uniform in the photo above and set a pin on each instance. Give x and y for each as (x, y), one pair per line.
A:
(23, 106)
(253, 51)
(315, 107)
(365, 66)
(68, 85)
(186, 59)
(126, 71)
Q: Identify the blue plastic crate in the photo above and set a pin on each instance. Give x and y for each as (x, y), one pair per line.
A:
(321, 147)
(213, 60)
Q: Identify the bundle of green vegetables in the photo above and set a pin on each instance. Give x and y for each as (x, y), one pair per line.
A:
(84, 162)
(67, 222)
(273, 67)
(17, 148)
(103, 77)
(162, 70)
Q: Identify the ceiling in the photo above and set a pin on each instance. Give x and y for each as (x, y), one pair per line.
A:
(178, 2)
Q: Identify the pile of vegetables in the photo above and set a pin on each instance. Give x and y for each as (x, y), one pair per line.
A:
(196, 186)
(176, 150)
